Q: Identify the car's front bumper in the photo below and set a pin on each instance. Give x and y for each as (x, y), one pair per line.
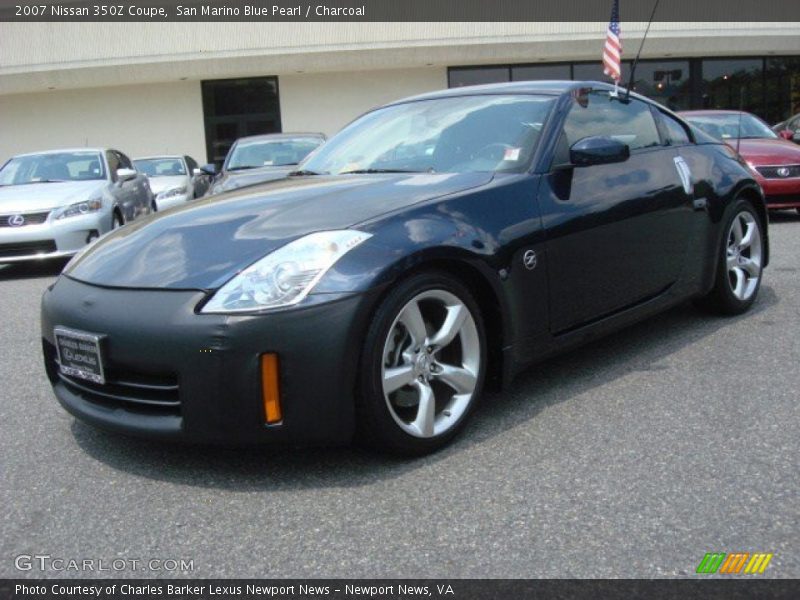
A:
(52, 239)
(205, 369)
(781, 193)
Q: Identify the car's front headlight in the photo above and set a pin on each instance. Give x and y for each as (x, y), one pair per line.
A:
(81, 208)
(285, 276)
(171, 193)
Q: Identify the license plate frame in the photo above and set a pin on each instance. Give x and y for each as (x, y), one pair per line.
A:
(80, 354)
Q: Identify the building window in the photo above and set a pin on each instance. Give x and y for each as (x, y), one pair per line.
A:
(782, 87)
(733, 84)
(665, 81)
(461, 76)
(235, 108)
(539, 72)
(767, 87)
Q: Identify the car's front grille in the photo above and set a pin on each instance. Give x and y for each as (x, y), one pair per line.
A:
(27, 248)
(132, 390)
(779, 172)
(23, 219)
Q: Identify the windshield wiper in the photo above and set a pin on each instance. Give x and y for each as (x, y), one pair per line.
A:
(360, 171)
(242, 168)
(301, 172)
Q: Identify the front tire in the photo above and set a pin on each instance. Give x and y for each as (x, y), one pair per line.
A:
(422, 366)
(740, 263)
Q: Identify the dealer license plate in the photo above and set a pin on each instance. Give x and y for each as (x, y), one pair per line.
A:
(79, 354)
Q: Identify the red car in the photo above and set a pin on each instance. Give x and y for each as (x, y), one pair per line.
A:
(775, 161)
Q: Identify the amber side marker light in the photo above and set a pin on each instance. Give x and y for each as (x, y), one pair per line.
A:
(270, 389)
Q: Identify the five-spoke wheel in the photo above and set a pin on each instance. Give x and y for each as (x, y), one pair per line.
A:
(743, 255)
(430, 365)
(423, 365)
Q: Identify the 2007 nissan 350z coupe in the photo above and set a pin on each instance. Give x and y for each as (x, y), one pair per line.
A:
(433, 245)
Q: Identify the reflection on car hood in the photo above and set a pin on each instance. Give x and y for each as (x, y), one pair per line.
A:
(768, 151)
(203, 244)
(167, 182)
(231, 180)
(34, 197)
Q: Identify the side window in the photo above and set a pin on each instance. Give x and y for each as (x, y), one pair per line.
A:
(596, 113)
(113, 164)
(675, 132)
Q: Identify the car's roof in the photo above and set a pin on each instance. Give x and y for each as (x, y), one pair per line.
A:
(279, 136)
(549, 88)
(60, 150)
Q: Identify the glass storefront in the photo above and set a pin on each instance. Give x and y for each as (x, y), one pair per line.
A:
(766, 86)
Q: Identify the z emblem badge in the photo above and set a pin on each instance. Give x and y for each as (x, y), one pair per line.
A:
(529, 259)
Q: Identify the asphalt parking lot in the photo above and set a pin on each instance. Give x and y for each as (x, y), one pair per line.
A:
(632, 457)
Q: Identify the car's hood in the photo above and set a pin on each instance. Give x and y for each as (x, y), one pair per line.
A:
(167, 182)
(768, 151)
(203, 244)
(33, 197)
(231, 180)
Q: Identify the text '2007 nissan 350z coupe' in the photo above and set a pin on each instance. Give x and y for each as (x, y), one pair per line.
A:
(433, 245)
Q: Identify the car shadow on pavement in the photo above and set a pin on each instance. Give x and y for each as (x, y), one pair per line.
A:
(637, 348)
(32, 270)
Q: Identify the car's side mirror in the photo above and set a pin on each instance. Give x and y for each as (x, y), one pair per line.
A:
(786, 134)
(598, 150)
(125, 174)
(209, 169)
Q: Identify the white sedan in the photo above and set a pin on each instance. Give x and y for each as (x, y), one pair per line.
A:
(54, 203)
(173, 179)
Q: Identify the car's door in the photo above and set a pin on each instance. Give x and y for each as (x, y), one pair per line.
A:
(120, 193)
(617, 233)
(199, 182)
(136, 190)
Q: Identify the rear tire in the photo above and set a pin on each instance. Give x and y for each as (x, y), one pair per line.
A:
(740, 263)
(422, 366)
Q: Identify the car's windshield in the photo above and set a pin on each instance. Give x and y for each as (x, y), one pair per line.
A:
(727, 126)
(253, 154)
(454, 135)
(52, 167)
(160, 167)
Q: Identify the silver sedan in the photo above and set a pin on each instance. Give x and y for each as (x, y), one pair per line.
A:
(174, 179)
(54, 203)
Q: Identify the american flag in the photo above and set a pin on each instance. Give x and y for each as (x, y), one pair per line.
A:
(612, 51)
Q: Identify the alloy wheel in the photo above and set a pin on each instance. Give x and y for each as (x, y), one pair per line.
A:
(744, 255)
(431, 361)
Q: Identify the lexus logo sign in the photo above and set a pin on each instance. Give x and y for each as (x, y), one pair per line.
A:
(16, 220)
(783, 172)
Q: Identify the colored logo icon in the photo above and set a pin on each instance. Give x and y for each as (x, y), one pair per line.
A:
(737, 563)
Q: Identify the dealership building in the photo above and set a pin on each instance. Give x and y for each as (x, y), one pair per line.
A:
(192, 88)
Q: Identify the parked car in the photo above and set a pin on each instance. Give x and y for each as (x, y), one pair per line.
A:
(775, 161)
(789, 129)
(375, 291)
(173, 179)
(54, 203)
(262, 158)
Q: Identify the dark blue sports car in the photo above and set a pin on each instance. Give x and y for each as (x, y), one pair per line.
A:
(433, 245)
